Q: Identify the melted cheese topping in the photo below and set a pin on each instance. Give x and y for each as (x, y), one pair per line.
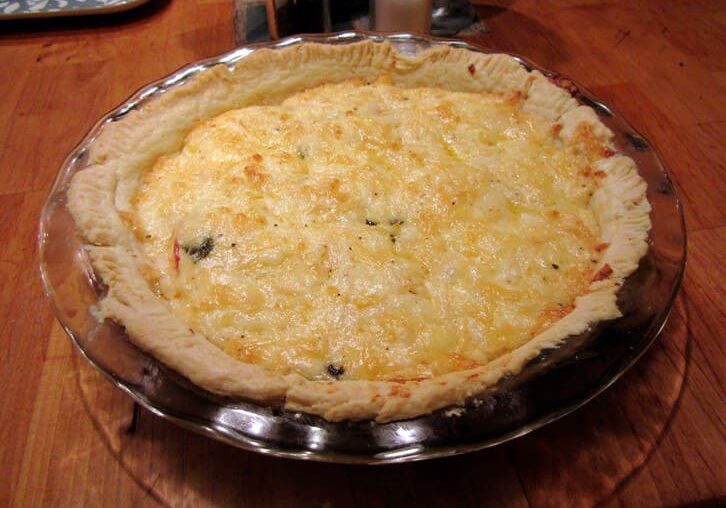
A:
(370, 232)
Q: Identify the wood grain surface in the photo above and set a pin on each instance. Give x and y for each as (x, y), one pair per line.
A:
(656, 438)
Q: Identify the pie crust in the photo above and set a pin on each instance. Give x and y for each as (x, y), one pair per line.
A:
(100, 194)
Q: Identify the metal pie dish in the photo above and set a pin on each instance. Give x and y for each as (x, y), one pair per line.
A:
(553, 384)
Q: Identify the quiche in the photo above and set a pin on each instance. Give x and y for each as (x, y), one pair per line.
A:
(355, 233)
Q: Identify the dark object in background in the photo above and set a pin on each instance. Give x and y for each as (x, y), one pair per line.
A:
(449, 17)
(298, 16)
(349, 14)
(290, 17)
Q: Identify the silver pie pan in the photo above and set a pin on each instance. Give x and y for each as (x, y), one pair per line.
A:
(555, 383)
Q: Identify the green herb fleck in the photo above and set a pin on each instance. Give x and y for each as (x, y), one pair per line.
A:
(199, 251)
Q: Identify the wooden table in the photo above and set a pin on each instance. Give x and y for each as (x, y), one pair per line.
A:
(656, 438)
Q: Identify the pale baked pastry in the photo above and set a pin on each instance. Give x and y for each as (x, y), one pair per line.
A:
(355, 233)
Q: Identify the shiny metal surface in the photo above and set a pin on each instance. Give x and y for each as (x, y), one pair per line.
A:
(23, 9)
(555, 383)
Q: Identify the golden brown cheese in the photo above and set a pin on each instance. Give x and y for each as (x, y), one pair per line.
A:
(371, 232)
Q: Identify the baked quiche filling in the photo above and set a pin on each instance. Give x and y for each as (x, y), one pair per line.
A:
(371, 232)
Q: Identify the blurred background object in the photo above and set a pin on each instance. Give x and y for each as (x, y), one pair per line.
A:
(257, 20)
(23, 9)
(288, 17)
(401, 16)
(449, 17)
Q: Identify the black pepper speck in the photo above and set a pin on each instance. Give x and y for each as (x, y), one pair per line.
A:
(335, 371)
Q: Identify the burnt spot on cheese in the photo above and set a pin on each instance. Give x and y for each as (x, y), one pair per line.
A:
(558, 312)
(399, 391)
(370, 222)
(603, 273)
(199, 251)
(335, 371)
(515, 98)
(254, 175)
(565, 84)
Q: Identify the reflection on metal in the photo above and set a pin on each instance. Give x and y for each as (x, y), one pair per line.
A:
(316, 438)
(408, 434)
(17, 9)
(400, 454)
